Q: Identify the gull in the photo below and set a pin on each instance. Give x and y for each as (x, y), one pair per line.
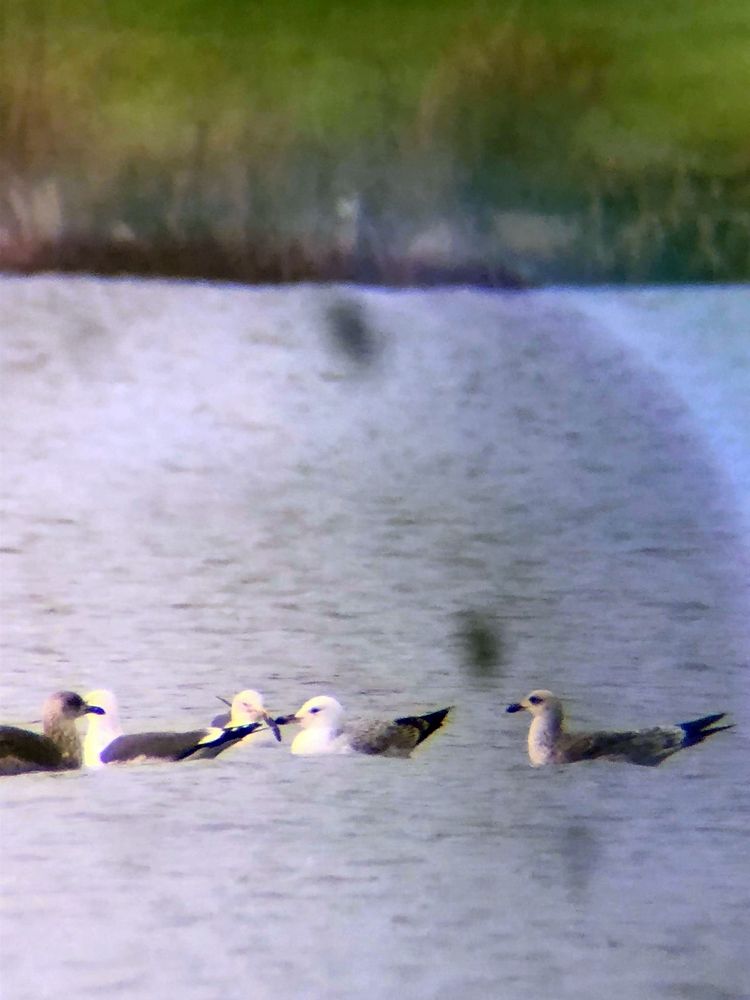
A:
(550, 743)
(59, 749)
(247, 706)
(105, 743)
(323, 730)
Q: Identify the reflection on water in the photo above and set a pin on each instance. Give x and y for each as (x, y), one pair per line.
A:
(580, 854)
(201, 493)
(351, 333)
(480, 642)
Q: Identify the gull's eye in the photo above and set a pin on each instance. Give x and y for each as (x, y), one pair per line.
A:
(536, 700)
(314, 710)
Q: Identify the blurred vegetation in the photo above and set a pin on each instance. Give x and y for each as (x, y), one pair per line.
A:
(491, 142)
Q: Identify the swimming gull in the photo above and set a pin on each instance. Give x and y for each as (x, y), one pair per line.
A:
(59, 749)
(323, 730)
(105, 743)
(247, 706)
(550, 743)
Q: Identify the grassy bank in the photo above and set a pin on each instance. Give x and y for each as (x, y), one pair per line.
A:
(494, 142)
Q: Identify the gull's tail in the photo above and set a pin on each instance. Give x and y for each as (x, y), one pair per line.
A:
(425, 725)
(697, 730)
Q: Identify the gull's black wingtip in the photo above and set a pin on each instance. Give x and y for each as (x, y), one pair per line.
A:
(228, 736)
(698, 730)
(425, 724)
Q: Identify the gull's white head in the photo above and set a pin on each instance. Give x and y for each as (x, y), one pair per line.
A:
(321, 712)
(247, 706)
(101, 729)
(106, 700)
(542, 705)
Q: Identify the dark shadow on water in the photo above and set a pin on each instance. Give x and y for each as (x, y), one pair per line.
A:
(481, 644)
(351, 333)
(580, 852)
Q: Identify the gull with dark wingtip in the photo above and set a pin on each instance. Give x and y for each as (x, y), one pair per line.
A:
(105, 743)
(59, 749)
(325, 731)
(550, 743)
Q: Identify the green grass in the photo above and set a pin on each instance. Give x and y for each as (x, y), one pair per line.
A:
(677, 69)
(246, 126)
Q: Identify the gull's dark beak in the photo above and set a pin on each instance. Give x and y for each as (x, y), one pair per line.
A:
(95, 710)
(285, 720)
(515, 707)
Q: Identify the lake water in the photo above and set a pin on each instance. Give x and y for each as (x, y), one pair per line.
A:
(314, 491)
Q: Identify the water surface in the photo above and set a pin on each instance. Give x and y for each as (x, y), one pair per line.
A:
(208, 488)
